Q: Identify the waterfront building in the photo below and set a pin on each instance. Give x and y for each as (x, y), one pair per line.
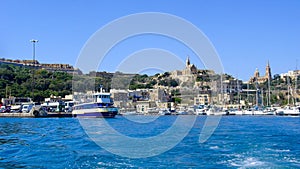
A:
(138, 94)
(145, 106)
(158, 95)
(165, 105)
(120, 97)
(203, 98)
(16, 100)
(232, 85)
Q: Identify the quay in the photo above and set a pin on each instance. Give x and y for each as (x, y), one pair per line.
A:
(60, 114)
(27, 115)
(31, 115)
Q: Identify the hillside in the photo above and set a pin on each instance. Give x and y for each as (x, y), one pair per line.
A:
(18, 81)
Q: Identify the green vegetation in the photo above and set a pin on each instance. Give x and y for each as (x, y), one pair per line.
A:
(18, 81)
(145, 81)
(177, 100)
(141, 81)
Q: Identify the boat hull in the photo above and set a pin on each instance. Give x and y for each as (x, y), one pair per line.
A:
(96, 113)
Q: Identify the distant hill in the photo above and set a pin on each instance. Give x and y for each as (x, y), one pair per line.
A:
(35, 64)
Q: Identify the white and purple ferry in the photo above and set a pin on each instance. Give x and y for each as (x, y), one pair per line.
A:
(100, 106)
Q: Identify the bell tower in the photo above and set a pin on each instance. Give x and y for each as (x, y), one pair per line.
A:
(256, 73)
(187, 62)
(268, 71)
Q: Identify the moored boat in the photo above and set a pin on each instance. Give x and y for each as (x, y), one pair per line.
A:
(289, 111)
(164, 112)
(100, 106)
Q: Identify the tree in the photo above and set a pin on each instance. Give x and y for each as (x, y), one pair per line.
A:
(173, 83)
(177, 100)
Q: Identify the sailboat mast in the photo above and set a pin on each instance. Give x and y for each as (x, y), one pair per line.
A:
(248, 92)
(238, 90)
(288, 89)
(269, 91)
(262, 96)
(295, 93)
(296, 79)
(220, 100)
(256, 85)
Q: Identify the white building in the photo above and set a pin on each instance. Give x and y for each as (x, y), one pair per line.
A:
(292, 74)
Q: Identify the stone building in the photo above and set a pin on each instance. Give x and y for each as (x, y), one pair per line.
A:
(120, 97)
(189, 68)
(261, 79)
(145, 107)
(158, 95)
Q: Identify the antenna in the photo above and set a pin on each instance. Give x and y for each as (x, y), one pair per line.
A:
(101, 88)
(257, 90)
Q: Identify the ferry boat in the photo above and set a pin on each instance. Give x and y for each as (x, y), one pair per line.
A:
(100, 106)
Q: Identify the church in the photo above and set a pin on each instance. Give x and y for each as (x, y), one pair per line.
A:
(190, 69)
(261, 79)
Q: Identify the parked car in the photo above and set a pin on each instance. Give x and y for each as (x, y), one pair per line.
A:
(26, 108)
(4, 110)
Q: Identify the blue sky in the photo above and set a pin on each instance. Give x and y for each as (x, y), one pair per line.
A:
(246, 34)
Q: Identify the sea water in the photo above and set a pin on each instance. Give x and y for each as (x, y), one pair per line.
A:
(238, 142)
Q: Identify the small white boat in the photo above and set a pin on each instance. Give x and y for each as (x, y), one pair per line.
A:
(258, 112)
(217, 111)
(181, 111)
(164, 112)
(152, 110)
(238, 112)
(291, 111)
(269, 111)
(254, 111)
(200, 111)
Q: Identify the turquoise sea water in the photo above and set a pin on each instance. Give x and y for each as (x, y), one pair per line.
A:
(238, 142)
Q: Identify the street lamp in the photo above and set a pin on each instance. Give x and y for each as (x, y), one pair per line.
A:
(33, 41)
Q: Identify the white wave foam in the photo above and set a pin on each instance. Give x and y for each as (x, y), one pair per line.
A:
(278, 150)
(214, 147)
(246, 163)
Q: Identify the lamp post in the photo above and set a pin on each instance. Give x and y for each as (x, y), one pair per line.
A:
(33, 41)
